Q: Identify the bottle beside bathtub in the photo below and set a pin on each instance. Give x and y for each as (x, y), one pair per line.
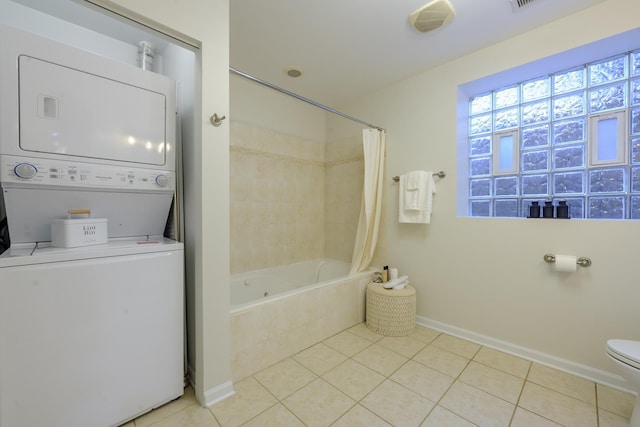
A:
(381, 276)
(388, 277)
(377, 277)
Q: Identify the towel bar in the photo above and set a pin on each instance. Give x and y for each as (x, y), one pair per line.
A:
(440, 174)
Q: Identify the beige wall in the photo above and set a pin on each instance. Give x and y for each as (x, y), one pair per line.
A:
(267, 108)
(487, 275)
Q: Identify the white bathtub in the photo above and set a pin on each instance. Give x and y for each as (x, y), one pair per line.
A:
(280, 311)
(252, 287)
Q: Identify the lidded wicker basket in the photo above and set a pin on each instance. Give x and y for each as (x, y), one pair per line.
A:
(391, 312)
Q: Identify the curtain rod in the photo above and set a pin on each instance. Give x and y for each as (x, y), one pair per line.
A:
(301, 98)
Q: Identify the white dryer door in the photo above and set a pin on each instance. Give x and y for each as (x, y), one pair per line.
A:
(74, 113)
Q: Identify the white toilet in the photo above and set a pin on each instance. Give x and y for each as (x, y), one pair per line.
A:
(626, 356)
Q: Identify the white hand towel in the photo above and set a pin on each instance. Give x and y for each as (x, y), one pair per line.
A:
(415, 190)
(413, 180)
(423, 199)
(402, 280)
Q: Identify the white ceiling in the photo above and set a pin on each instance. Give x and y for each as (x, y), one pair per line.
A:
(348, 48)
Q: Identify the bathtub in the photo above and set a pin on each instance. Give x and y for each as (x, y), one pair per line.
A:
(280, 311)
(277, 282)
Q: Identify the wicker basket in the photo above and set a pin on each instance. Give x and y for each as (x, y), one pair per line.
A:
(391, 312)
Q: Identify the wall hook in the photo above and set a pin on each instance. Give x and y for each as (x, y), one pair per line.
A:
(216, 120)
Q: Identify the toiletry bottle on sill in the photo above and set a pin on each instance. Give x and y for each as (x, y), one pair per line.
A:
(547, 209)
(534, 210)
(385, 274)
(562, 210)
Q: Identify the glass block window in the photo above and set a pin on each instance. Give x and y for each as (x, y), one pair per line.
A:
(571, 135)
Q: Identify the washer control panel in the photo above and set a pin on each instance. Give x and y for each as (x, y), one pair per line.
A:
(54, 172)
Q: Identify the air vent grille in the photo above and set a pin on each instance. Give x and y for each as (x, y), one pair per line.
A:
(432, 16)
(518, 4)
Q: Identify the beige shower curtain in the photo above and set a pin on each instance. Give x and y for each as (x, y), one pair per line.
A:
(373, 141)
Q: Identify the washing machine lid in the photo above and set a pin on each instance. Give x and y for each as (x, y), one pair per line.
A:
(626, 351)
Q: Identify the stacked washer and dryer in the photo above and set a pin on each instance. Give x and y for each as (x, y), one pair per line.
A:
(90, 335)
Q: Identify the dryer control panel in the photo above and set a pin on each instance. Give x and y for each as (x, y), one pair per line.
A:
(45, 172)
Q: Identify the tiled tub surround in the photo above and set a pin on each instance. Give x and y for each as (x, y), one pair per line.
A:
(276, 327)
(276, 197)
(292, 199)
(344, 180)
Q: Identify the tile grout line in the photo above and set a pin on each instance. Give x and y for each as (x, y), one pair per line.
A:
(457, 378)
(524, 382)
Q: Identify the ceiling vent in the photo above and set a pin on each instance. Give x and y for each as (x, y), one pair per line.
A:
(516, 5)
(431, 16)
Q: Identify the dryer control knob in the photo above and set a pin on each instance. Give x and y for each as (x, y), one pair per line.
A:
(162, 180)
(25, 170)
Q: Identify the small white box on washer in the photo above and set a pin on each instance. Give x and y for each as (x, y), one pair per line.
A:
(75, 232)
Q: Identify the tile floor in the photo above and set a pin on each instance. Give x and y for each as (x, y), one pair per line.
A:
(428, 379)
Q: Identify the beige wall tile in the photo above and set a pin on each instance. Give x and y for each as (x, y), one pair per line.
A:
(284, 178)
(241, 364)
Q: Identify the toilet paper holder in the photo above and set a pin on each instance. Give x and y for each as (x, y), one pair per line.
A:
(582, 261)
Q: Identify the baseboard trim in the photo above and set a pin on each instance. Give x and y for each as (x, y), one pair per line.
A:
(214, 395)
(218, 393)
(587, 372)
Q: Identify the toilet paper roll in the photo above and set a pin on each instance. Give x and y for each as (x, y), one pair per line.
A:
(393, 273)
(566, 263)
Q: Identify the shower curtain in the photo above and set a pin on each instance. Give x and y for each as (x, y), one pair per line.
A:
(373, 141)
